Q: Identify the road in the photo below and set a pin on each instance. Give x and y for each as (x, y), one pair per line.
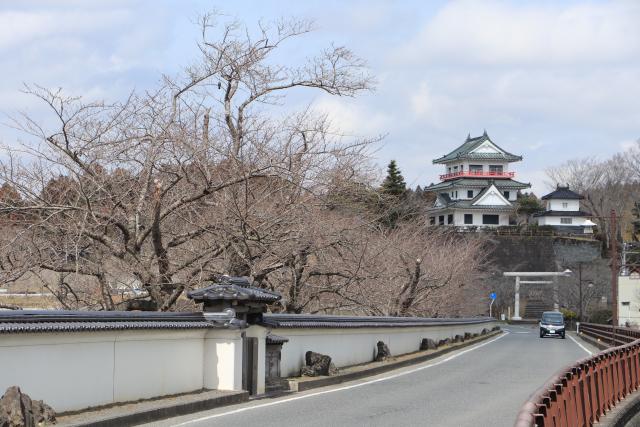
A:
(482, 385)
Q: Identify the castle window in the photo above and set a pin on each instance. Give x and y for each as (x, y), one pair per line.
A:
(495, 168)
(450, 219)
(441, 220)
(468, 218)
(469, 194)
(566, 220)
(565, 205)
(491, 219)
(475, 168)
(432, 220)
(506, 195)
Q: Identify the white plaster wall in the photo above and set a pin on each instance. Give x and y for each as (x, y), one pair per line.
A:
(477, 218)
(555, 220)
(513, 194)
(150, 364)
(223, 360)
(66, 370)
(353, 346)
(462, 193)
(629, 291)
(465, 164)
(557, 205)
(492, 197)
(76, 370)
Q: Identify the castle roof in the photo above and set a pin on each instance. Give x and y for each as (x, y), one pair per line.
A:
(506, 184)
(472, 149)
(563, 193)
(443, 201)
(562, 213)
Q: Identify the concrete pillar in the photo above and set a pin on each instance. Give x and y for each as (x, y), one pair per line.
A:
(516, 310)
(222, 364)
(260, 333)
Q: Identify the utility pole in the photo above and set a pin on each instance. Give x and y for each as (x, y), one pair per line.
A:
(580, 288)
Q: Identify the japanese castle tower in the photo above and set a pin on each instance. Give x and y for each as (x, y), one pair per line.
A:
(477, 188)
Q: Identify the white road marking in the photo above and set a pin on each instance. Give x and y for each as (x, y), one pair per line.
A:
(580, 345)
(518, 329)
(304, 396)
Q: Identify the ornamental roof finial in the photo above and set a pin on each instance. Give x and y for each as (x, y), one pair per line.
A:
(469, 136)
(485, 133)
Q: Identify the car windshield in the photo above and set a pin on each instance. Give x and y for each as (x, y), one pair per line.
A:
(552, 319)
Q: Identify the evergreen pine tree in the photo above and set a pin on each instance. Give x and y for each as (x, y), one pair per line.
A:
(394, 183)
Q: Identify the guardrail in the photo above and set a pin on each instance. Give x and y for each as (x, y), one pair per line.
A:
(580, 394)
(610, 335)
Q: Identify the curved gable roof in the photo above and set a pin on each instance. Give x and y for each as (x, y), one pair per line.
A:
(465, 151)
(563, 193)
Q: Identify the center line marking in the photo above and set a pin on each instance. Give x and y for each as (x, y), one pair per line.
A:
(291, 399)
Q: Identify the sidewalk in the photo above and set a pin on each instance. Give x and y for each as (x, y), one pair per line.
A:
(129, 414)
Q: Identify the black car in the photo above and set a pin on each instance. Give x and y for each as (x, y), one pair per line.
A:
(552, 323)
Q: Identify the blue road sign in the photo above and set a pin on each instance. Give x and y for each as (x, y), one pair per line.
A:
(492, 295)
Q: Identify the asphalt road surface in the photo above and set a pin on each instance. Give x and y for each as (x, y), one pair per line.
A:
(481, 385)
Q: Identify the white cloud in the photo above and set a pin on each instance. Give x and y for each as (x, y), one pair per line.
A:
(629, 144)
(353, 117)
(20, 27)
(498, 64)
(492, 32)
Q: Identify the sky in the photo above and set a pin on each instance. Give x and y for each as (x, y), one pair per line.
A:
(548, 80)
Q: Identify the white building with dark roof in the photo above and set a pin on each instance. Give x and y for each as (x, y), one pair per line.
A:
(477, 188)
(563, 211)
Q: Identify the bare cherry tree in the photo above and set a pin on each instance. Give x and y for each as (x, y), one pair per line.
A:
(428, 272)
(155, 190)
(605, 184)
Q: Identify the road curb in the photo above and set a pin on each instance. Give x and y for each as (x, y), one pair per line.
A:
(599, 344)
(157, 412)
(326, 381)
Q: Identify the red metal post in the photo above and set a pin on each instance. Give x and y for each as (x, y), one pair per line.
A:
(614, 273)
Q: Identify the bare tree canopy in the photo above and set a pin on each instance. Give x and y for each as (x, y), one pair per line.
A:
(166, 190)
(606, 185)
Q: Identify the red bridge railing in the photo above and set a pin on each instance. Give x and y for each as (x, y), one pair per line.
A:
(580, 394)
(609, 335)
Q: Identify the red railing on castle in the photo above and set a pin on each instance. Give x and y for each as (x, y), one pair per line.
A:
(477, 174)
(580, 394)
